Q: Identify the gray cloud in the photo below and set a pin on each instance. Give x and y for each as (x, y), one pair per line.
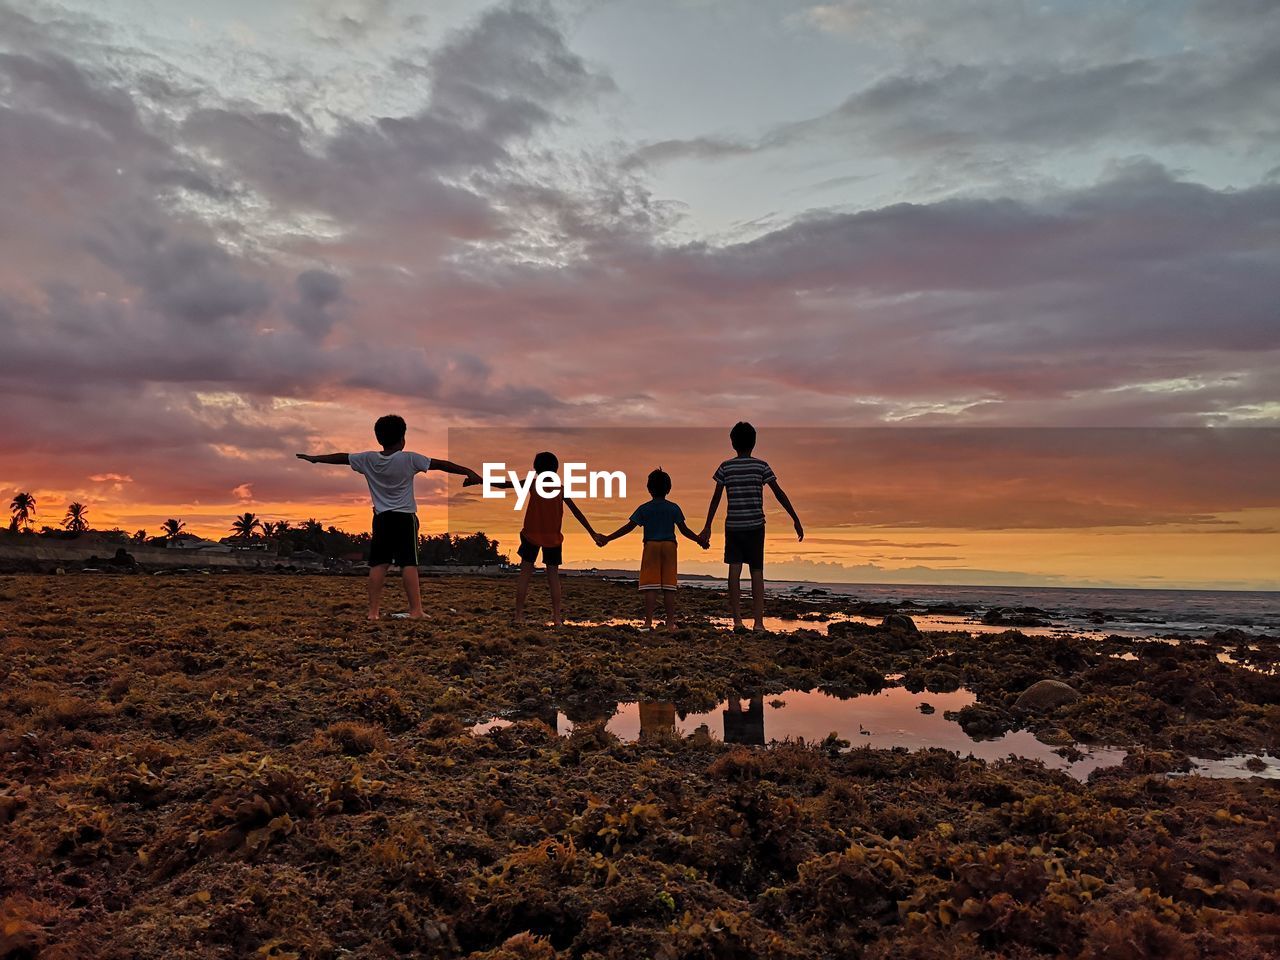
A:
(978, 83)
(696, 148)
(318, 291)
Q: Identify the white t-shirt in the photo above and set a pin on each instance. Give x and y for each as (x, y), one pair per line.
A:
(390, 477)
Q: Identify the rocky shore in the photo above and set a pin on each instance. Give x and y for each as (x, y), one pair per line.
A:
(239, 766)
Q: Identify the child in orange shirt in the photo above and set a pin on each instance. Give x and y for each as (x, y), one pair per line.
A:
(543, 518)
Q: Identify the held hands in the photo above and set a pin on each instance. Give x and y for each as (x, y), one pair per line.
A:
(704, 540)
(472, 479)
(599, 538)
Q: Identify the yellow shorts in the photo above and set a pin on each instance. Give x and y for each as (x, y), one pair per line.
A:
(658, 565)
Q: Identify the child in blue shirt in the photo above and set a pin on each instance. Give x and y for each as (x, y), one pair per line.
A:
(659, 519)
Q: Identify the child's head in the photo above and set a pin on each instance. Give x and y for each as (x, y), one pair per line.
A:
(546, 462)
(390, 431)
(743, 437)
(659, 484)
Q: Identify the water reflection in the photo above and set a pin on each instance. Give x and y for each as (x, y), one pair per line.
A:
(744, 726)
(889, 718)
(657, 717)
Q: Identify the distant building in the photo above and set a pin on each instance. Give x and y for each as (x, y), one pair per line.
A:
(240, 544)
(189, 541)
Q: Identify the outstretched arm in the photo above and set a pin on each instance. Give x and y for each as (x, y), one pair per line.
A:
(711, 510)
(697, 538)
(786, 505)
(622, 531)
(586, 524)
(342, 458)
(448, 466)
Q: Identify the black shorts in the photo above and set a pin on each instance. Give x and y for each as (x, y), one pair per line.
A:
(395, 539)
(528, 552)
(745, 546)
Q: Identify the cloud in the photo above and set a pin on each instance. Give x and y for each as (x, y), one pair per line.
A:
(696, 148)
(948, 96)
(318, 291)
(195, 285)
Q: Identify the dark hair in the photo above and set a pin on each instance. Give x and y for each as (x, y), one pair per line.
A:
(659, 484)
(545, 462)
(389, 430)
(743, 437)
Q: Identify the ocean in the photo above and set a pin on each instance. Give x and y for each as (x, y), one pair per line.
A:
(1127, 612)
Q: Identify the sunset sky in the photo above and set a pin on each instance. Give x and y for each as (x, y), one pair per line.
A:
(234, 230)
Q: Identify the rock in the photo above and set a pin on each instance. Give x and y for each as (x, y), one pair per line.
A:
(1055, 737)
(899, 623)
(981, 721)
(1024, 617)
(927, 708)
(1046, 695)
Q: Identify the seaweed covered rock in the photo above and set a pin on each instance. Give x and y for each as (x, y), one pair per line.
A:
(1020, 617)
(1045, 696)
(899, 623)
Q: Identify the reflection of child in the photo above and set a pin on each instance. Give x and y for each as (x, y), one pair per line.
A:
(744, 726)
(659, 518)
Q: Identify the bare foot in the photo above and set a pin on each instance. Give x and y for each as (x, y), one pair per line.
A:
(758, 628)
(372, 616)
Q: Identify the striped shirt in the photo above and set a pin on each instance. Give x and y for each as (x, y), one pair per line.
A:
(744, 479)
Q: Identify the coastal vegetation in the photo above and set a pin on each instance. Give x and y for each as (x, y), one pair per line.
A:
(239, 766)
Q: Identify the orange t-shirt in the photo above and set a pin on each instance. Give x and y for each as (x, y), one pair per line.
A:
(543, 518)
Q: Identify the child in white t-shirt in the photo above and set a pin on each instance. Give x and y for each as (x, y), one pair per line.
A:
(389, 473)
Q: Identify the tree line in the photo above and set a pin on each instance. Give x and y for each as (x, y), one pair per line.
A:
(285, 537)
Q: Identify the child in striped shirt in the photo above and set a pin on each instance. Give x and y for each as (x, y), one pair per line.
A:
(744, 478)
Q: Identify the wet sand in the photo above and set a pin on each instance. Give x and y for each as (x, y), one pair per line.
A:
(228, 766)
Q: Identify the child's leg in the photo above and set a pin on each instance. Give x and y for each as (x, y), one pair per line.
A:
(413, 591)
(377, 577)
(522, 588)
(757, 597)
(553, 582)
(650, 602)
(735, 593)
(669, 601)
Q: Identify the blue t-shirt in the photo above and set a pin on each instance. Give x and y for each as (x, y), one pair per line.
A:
(658, 518)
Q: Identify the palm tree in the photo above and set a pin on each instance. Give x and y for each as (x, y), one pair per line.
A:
(282, 527)
(140, 536)
(75, 519)
(23, 508)
(172, 528)
(269, 529)
(245, 525)
(313, 534)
